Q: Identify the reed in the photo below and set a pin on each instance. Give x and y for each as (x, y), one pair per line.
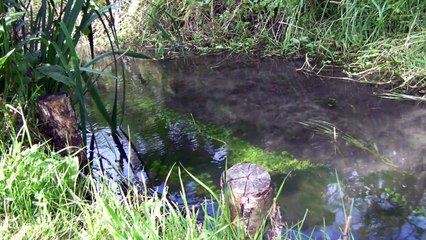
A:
(39, 56)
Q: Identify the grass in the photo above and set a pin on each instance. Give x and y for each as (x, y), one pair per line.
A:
(330, 130)
(380, 42)
(405, 97)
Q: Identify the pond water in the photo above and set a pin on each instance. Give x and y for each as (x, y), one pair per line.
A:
(373, 149)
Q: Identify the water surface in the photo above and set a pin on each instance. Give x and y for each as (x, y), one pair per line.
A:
(266, 102)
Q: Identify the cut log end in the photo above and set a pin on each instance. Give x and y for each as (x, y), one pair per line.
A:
(248, 179)
(251, 195)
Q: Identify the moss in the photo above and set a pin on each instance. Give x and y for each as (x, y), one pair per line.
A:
(240, 151)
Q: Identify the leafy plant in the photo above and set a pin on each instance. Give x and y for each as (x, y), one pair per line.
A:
(40, 56)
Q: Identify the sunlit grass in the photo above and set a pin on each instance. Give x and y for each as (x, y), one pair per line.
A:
(375, 41)
(43, 198)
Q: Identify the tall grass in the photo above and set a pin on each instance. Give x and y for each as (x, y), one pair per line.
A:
(376, 41)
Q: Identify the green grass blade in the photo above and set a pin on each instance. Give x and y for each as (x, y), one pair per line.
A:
(56, 73)
(5, 57)
(78, 79)
(117, 52)
(71, 12)
(176, 28)
(163, 31)
(97, 72)
(211, 192)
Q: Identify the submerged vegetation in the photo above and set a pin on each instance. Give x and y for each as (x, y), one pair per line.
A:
(382, 42)
(330, 130)
(238, 151)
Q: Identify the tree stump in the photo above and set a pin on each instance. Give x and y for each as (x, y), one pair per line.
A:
(59, 123)
(250, 195)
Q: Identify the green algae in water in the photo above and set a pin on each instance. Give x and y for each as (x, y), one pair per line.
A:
(238, 150)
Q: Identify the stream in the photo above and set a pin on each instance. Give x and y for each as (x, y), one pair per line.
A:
(372, 150)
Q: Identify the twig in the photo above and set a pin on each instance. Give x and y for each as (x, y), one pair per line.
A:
(346, 232)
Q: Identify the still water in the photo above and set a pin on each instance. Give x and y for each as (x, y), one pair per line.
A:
(374, 149)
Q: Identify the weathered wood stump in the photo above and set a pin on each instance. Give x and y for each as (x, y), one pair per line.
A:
(250, 195)
(59, 123)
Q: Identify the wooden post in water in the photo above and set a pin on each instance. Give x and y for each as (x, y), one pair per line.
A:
(59, 123)
(250, 195)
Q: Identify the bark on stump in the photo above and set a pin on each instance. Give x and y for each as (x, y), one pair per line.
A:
(59, 123)
(250, 195)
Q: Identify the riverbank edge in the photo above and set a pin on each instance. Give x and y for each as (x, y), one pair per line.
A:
(389, 54)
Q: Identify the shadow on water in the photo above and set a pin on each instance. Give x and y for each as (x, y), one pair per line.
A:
(264, 102)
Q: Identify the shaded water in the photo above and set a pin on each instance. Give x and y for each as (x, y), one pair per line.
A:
(264, 102)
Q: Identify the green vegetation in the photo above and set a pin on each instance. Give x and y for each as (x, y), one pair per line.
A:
(328, 129)
(38, 47)
(43, 197)
(382, 42)
(394, 197)
(240, 151)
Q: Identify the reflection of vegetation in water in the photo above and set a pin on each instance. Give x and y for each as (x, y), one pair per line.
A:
(238, 150)
(394, 187)
(329, 129)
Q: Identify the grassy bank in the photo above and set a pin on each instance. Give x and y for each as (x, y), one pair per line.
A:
(382, 42)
